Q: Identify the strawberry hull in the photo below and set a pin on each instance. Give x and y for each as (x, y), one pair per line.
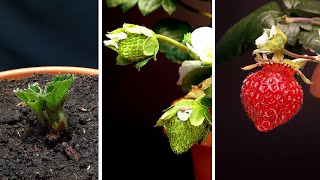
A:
(271, 96)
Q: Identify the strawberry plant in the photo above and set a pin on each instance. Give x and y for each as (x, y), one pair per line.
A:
(188, 121)
(48, 103)
(272, 96)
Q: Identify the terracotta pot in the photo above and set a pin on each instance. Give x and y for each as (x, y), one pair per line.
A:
(315, 79)
(201, 156)
(51, 70)
(202, 159)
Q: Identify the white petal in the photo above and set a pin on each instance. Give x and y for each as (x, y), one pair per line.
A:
(185, 68)
(118, 36)
(202, 40)
(110, 42)
(184, 115)
(273, 31)
(262, 40)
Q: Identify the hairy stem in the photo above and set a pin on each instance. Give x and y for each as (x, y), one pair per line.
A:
(312, 58)
(177, 44)
(314, 20)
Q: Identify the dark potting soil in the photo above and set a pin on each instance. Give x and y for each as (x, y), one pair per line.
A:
(25, 151)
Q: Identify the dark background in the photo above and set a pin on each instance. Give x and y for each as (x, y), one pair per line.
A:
(291, 151)
(43, 33)
(133, 102)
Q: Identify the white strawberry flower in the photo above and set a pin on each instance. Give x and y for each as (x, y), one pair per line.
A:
(114, 39)
(202, 43)
(263, 39)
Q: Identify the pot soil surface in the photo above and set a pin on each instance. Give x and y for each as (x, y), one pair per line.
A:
(25, 151)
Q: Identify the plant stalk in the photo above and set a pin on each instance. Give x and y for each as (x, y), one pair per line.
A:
(177, 44)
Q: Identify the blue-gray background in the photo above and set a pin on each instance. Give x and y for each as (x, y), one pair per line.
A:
(40, 33)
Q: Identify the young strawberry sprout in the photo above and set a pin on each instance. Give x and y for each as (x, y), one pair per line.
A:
(272, 96)
(188, 121)
(48, 103)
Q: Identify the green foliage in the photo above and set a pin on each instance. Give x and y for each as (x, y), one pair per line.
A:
(174, 29)
(241, 36)
(48, 103)
(145, 6)
(195, 77)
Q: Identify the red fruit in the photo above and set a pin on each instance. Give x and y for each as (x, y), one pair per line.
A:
(271, 96)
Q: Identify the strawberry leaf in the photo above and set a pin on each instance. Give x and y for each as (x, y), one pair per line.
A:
(240, 37)
(310, 40)
(195, 77)
(308, 6)
(169, 6)
(56, 91)
(114, 3)
(128, 4)
(148, 6)
(31, 97)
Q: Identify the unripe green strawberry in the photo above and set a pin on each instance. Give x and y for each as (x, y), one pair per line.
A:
(131, 48)
(271, 96)
(183, 135)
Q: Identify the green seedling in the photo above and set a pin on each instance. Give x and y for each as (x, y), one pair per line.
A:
(48, 103)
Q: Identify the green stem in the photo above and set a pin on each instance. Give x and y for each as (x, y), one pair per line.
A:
(192, 9)
(177, 44)
(57, 119)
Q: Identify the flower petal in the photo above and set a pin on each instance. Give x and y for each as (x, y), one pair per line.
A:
(186, 67)
(273, 31)
(184, 115)
(262, 40)
(202, 41)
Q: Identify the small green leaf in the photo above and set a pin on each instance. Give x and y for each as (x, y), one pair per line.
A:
(239, 38)
(174, 29)
(150, 46)
(128, 5)
(187, 39)
(31, 98)
(56, 91)
(206, 101)
(135, 29)
(309, 40)
(142, 63)
(291, 30)
(195, 77)
(114, 3)
(148, 6)
(169, 6)
(208, 91)
(197, 115)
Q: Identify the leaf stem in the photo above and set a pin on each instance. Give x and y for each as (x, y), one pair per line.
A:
(312, 58)
(314, 20)
(192, 9)
(177, 44)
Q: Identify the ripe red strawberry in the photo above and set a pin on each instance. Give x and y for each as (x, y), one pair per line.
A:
(271, 96)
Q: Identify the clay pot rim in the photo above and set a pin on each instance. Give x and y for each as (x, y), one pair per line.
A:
(20, 73)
